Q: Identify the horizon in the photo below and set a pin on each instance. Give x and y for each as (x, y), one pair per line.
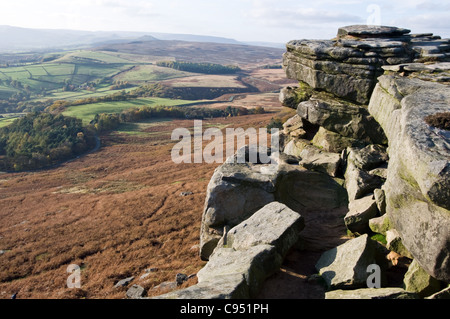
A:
(244, 21)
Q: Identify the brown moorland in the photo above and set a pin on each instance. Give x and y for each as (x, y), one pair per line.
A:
(246, 56)
(115, 213)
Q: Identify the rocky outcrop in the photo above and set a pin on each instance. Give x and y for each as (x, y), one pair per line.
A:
(294, 127)
(359, 146)
(374, 89)
(359, 181)
(236, 191)
(417, 188)
(349, 65)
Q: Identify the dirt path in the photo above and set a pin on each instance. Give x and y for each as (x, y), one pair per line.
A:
(323, 231)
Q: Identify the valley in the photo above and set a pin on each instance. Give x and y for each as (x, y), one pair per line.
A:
(115, 213)
(118, 212)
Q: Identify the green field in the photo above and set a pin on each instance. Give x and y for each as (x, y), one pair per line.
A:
(8, 119)
(89, 57)
(138, 58)
(6, 92)
(51, 76)
(46, 80)
(87, 112)
(78, 68)
(81, 74)
(82, 94)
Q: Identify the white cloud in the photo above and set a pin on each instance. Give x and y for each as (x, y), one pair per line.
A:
(300, 15)
(436, 23)
(259, 20)
(264, 12)
(434, 6)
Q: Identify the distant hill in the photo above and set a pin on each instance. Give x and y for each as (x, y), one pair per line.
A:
(200, 52)
(193, 38)
(268, 44)
(14, 39)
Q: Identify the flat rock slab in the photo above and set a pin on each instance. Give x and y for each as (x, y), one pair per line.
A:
(275, 224)
(318, 160)
(373, 44)
(345, 267)
(254, 264)
(342, 117)
(371, 31)
(124, 282)
(371, 293)
(418, 67)
(226, 287)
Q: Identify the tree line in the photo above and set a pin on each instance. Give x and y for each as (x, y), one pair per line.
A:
(205, 68)
(42, 139)
(106, 121)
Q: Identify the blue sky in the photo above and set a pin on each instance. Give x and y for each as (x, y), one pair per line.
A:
(244, 20)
